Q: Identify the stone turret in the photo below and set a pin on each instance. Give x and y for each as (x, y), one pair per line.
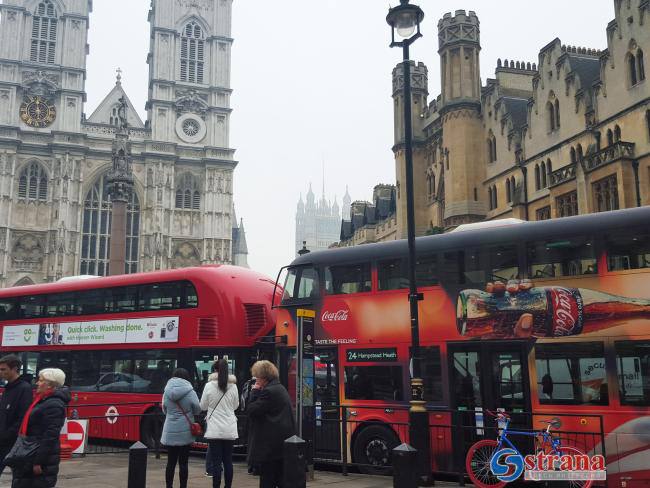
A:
(464, 171)
(459, 45)
(419, 93)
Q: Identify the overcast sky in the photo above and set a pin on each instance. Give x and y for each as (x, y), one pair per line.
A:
(312, 85)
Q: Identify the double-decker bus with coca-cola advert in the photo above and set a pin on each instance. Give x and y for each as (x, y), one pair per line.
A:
(537, 319)
(119, 338)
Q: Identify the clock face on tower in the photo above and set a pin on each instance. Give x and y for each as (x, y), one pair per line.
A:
(36, 111)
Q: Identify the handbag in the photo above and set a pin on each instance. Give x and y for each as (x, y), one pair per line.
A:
(22, 452)
(195, 428)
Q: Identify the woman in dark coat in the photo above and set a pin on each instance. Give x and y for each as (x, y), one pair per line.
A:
(43, 422)
(271, 423)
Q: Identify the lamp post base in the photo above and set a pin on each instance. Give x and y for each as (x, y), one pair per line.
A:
(419, 432)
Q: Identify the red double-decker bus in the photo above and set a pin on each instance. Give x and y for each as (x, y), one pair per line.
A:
(119, 338)
(539, 319)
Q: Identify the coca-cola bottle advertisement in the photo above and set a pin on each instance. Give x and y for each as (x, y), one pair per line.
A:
(520, 310)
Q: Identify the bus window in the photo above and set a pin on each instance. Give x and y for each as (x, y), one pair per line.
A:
(8, 309)
(571, 374)
(301, 282)
(475, 266)
(123, 299)
(633, 365)
(373, 383)
(162, 296)
(568, 257)
(60, 304)
(426, 272)
(628, 251)
(392, 274)
(60, 360)
(431, 373)
(191, 297)
(94, 301)
(504, 264)
(32, 307)
(450, 268)
(290, 284)
(85, 370)
(308, 284)
(352, 278)
(30, 365)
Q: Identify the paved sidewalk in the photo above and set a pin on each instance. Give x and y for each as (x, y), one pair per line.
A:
(110, 471)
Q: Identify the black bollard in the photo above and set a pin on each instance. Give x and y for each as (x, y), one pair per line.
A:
(295, 463)
(137, 466)
(405, 474)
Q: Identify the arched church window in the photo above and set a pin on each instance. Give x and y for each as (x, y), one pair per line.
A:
(632, 65)
(32, 183)
(610, 137)
(617, 133)
(96, 231)
(538, 180)
(550, 112)
(508, 191)
(543, 174)
(188, 195)
(557, 113)
(44, 29)
(192, 53)
(114, 118)
(639, 65)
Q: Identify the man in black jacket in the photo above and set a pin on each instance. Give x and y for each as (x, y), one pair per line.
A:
(15, 401)
(271, 423)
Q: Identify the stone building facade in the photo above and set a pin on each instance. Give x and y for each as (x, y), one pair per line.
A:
(318, 224)
(568, 134)
(374, 221)
(54, 209)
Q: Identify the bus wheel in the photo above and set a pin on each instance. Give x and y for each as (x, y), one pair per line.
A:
(151, 427)
(372, 449)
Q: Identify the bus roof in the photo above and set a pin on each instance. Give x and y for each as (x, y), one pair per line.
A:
(208, 273)
(589, 224)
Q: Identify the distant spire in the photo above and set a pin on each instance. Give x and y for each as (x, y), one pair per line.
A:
(118, 78)
(323, 178)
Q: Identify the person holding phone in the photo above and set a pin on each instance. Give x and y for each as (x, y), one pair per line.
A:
(271, 423)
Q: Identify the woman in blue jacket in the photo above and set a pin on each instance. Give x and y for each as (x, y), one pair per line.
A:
(180, 404)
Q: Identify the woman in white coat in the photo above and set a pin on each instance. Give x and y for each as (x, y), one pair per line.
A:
(220, 399)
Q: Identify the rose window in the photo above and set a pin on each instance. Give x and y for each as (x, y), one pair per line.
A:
(191, 127)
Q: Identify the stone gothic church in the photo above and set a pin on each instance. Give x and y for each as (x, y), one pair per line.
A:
(55, 213)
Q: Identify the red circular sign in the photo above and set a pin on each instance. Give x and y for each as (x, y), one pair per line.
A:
(75, 435)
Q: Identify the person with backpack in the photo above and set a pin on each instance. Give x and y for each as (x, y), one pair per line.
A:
(180, 405)
(220, 400)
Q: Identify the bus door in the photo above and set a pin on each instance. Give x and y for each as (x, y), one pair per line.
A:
(489, 376)
(328, 422)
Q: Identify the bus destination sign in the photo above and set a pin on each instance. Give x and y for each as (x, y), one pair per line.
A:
(367, 355)
(120, 331)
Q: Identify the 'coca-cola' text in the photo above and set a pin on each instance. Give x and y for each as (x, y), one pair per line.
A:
(337, 316)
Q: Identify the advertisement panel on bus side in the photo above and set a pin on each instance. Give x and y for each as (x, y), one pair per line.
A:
(116, 331)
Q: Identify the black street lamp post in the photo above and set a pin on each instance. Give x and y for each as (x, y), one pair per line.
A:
(405, 25)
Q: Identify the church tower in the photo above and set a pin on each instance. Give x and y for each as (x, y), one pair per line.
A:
(189, 72)
(43, 48)
(188, 112)
(460, 110)
(419, 93)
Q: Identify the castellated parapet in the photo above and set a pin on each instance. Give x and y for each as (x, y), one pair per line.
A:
(459, 28)
(419, 78)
